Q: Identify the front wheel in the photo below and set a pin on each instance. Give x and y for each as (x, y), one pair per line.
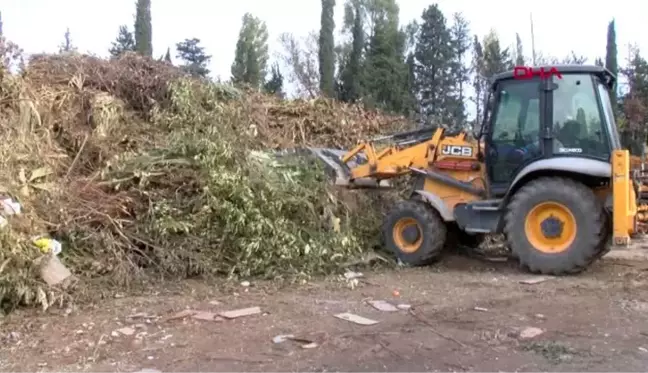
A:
(414, 232)
(555, 226)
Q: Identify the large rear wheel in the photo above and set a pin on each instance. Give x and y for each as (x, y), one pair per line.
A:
(555, 226)
(605, 245)
(414, 232)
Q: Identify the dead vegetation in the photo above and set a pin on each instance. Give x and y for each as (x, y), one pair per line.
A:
(140, 171)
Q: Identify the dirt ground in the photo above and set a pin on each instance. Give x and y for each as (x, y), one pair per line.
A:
(466, 315)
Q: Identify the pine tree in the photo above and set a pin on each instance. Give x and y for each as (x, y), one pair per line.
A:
(411, 84)
(433, 67)
(194, 57)
(496, 59)
(143, 28)
(275, 84)
(66, 46)
(327, 49)
(479, 83)
(384, 71)
(635, 101)
(251, 55)
(460, 37)
(123, 43)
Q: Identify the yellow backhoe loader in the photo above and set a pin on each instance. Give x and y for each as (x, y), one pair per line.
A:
(547, 170)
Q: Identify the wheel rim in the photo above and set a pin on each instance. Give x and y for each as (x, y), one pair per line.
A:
(408, 235)
(550, 227)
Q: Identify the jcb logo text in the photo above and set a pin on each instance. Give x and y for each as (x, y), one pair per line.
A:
(456, 150)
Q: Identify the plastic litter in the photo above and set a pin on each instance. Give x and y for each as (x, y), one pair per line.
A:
(10, 207)
(48, 245)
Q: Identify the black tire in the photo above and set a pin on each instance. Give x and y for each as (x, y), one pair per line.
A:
(606, 238)
(431, 228)
(584, 207)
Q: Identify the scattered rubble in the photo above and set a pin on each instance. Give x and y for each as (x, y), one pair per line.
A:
(530, 332)
(123, 331)
(181, 315)
(304, 343)
(206, 316)
(382, 305)
(52, 271)
(282, 338)
(141, 315)
(536, 280)
(349, 275)
(240, 313)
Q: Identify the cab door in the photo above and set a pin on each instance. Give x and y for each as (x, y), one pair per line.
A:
(513, 138)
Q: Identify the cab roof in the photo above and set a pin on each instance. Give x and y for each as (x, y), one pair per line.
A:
(604, 74)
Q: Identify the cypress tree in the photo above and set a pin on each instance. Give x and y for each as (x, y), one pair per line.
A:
(611, 56)
(143, 28)
(326, 49)
(167, 56)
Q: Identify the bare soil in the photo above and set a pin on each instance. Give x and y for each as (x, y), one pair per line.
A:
(466, 315)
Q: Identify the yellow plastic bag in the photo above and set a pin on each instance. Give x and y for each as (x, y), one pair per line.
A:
(48, 245)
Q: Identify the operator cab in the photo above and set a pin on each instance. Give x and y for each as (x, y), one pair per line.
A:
(568, 115)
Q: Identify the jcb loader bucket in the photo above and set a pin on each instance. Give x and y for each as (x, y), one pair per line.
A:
(341, 173)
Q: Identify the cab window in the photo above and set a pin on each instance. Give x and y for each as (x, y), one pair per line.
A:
(515, 128)
(578, 123)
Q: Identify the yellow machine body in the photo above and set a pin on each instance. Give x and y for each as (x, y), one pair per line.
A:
(561, 192)
(437, 153)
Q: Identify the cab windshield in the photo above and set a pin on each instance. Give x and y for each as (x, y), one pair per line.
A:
(581, 124)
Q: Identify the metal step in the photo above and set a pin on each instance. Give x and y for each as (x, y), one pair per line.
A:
(486, 205)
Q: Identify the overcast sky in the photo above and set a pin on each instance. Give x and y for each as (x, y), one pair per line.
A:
(560, 26)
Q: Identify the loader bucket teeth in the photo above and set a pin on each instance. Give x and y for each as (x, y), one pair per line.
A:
(341, 172)
(333, 163)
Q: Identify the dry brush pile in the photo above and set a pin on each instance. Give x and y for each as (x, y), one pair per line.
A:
(139, 170)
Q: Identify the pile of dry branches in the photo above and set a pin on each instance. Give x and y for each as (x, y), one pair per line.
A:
(319, 122)
(139, 82)
(139, 169)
